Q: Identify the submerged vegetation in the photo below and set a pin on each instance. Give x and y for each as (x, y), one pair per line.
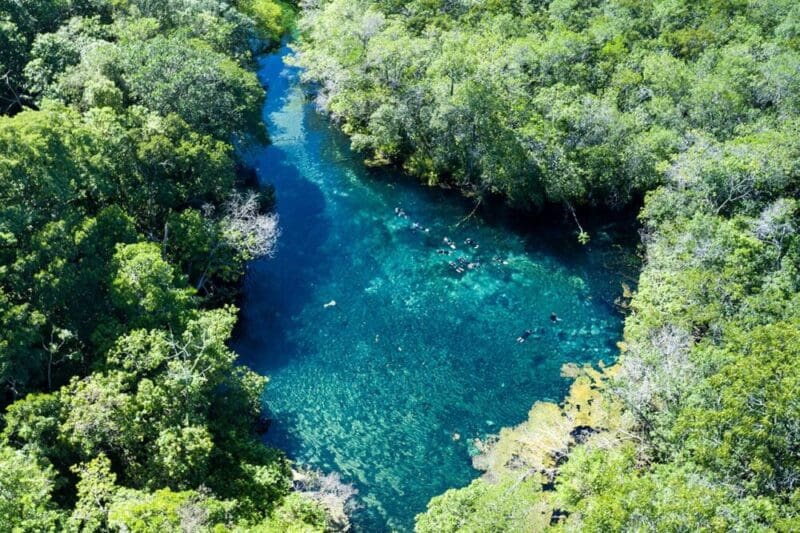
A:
(691, 107)
(123, 233)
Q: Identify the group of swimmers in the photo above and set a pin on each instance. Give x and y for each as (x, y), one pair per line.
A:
(469, 241)
(451, 246)
(459, 266)
(554, 318)
(416, 226)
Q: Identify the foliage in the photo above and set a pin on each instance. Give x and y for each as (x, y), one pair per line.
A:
(513, 504)
(572, 102)
(274, 18)
(165, 510)
(122, 238)
(295, 515)
(121, 235)
(25, 503)
(604, 492)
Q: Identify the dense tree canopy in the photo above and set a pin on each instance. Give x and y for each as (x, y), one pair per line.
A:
(565, 101)
(124, 229)
(123, 233)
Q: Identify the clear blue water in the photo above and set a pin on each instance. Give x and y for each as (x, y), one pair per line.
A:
(413, 352)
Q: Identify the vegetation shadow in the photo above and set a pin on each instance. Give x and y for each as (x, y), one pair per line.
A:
(277, 289)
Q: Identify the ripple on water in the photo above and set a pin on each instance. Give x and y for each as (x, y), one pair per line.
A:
(413, 351)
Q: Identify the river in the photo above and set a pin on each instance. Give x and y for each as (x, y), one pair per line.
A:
(385, 361)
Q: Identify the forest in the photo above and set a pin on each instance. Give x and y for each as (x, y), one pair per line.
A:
(125, 224)
(687, 110)
(127, 218)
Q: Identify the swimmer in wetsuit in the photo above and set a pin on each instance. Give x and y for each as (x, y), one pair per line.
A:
(525, 334)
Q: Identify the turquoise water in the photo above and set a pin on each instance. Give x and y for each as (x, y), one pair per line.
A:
(413, 352)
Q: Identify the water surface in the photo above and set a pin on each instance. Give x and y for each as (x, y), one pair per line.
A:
(390, 384)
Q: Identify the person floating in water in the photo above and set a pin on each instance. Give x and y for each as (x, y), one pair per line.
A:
(449, 242)
(470, 242)
(399, 211)
(455, 266)
(554, 317)
(464, 263)
(525, 334)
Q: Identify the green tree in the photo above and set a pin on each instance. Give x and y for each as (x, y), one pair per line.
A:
(146, 289)
(195, 71)
(25, 503)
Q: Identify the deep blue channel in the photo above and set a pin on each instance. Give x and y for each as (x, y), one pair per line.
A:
(414, 354)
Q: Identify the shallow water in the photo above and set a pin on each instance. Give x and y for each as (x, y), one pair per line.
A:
(413, 354)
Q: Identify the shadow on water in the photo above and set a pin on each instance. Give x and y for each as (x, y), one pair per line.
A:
(277, 289)
(281, 291)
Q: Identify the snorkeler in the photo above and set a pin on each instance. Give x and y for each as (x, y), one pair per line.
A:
(416, 226)
(449, 242)
(456, 267)
(554, 317)
(525, 334)
(470, 242)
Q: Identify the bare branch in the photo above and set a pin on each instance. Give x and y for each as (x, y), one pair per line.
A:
(247, 230)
